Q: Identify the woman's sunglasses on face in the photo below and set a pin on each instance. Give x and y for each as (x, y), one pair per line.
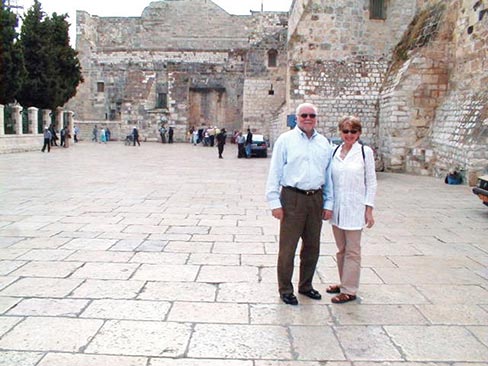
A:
(305, 115)
(352, 132)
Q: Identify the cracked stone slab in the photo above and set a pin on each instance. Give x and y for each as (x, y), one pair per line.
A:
(51, 334)
(316, 343)
(281, 314)
(240, 342)
(351, 314)
(127, 309)
(179, 291)
(209, 312)
(49, 307)
(108, 289)
(438, 343)
(140, 338)
(367, 343)
(14, 358)
(41, 287)
(63, 359)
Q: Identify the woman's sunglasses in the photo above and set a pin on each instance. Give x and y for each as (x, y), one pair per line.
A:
(352, 132)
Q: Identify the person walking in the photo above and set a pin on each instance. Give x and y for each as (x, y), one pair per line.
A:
(95, 134)
(47, 140)
(171, 133)
(300, 194)
(76, 133)
(221, 137)
(354, 182)
(135, 136)
(248, 143)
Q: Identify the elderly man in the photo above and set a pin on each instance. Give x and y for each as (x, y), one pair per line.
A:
(299, 193)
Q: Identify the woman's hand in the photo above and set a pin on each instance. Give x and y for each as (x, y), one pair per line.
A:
(326, 214)
(368, 217)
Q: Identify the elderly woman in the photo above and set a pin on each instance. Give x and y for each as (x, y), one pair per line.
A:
(354, 181)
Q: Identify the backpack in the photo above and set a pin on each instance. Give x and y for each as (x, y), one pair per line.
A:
(362, 150)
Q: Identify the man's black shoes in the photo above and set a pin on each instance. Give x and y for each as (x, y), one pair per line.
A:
(313, 294)
(289, 299)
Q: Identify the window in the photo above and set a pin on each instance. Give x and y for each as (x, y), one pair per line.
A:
(100, 87)
(162, 101)
(272, 58)
(377, 9)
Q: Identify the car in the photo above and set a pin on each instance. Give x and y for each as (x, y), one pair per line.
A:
(481, 189)
(259, 145)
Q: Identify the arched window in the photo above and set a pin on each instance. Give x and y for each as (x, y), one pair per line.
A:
(272, 58)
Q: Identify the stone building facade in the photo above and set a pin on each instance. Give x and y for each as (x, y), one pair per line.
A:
(183, 63)
(414, 71)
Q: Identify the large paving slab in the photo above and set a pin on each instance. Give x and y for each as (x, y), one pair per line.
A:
(166, 255)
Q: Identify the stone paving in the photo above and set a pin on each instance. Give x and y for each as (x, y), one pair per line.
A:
(165, 255)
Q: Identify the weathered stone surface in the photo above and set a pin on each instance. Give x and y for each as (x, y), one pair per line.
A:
(141, 338)
(239, 341)
(51, 334)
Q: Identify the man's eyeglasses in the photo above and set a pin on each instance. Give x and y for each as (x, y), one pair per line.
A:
(305, 115)
(352, 132)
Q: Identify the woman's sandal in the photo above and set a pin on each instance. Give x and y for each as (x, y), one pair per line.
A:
(342, 298)
(333, 289)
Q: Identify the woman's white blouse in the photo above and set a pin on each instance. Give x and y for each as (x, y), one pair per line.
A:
(354, 181)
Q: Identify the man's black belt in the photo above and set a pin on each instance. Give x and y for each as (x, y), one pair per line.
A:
(308, 192)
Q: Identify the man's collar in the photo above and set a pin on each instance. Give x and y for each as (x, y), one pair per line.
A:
(303, 133)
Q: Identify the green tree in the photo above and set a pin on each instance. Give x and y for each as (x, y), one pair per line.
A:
(11, 61)
(65, 67)
(53, 69)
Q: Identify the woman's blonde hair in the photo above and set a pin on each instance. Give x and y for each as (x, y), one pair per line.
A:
(354, 121)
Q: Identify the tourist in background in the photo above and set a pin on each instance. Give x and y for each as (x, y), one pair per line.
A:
(171, 132)
(103, 136)
(354, 182)
(221, 137)
(47, 139)
(299, 193)
(135, 136)
(241, 149)
(95, 134)
(76, 133)
(107, 134)
(248, 143)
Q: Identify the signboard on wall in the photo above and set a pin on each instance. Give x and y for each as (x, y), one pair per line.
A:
(291, 120)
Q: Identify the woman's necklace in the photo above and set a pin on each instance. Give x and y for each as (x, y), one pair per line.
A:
(344, 152)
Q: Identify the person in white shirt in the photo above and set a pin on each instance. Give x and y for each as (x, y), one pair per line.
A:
(354, 182)
(299, 193)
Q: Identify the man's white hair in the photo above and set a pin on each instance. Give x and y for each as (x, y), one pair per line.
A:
(303, 105)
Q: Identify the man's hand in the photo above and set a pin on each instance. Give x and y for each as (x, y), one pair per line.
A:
(326, 215)
(278, 213)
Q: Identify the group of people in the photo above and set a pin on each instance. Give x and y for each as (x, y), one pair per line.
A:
(163, 131)
(102, 135)
(203, 135)
(244, 144)
(311, 180)
(209, 136)
(50, 137)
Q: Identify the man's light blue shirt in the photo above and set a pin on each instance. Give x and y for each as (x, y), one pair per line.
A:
(300, 162)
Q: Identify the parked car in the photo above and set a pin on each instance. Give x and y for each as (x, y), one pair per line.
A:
(259, 146)
(481, 189)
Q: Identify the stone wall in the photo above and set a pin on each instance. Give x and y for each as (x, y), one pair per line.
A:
(433, 114)
(339, 58)
(200, 63)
